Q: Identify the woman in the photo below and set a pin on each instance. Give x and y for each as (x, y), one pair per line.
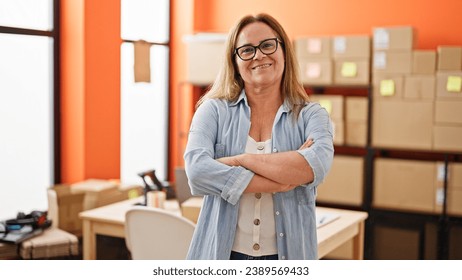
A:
(257, 149)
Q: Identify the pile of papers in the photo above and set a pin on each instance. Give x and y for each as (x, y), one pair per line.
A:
(324, 218)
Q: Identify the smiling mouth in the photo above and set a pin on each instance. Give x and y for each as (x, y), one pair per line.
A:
(261, 66)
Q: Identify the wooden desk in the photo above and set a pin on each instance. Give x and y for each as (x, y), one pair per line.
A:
(349, 226)
(109, 220)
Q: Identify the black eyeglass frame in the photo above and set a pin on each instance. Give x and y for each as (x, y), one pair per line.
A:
(236, 50)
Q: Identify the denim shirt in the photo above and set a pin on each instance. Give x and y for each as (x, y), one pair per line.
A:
(220, 128)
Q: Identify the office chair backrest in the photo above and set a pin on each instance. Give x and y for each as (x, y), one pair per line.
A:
(183, 192)
(156, 234)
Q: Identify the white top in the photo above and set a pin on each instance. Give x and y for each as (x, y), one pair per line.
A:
(256, 230)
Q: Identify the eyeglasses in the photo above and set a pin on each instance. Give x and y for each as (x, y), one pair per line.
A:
(248, 52)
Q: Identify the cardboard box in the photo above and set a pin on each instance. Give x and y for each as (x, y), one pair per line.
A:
(351, 71)
(316, 71)
(339, 132)
(345, 182)
(454, 202)
(50, 244)
(65, 202)
(332, 103)
(420, 87)
(392, 62)
(402, 124)
(449, 58)
(394, 38)
(353, 46)
(447, 138)
(423, 62)
(205, 54)
(356, 118)
(454, 190)
(191, 208)
(404, 185)
(97, 192)
(387, 87)
(449, 85)
(64, 207)
(448, 112)
(455, 176)
(356, 108)
(313, 47)
(454, 199)
(356, 133)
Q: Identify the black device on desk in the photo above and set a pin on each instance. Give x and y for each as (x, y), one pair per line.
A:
(24, 226)
(152, 183)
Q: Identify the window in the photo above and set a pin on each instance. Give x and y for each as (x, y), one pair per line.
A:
(144, 105)
(28, 53)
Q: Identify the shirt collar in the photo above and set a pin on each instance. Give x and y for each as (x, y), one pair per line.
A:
(241, 97)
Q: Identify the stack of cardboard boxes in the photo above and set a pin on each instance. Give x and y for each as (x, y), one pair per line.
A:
(351, 55)
(417, 186)
(447, 134)
(342, 61)
(415, 107)
(315, 58)
(66, 201)
(337, 60)
(401, 119)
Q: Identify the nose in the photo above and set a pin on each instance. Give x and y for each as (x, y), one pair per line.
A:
(258, 54)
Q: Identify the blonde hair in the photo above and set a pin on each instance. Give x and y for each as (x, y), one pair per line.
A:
(229, 84)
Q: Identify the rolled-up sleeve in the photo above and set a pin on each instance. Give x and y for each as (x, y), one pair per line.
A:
(320, 155)
(206, 175)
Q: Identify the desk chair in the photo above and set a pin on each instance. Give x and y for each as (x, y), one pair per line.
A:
(156, 234)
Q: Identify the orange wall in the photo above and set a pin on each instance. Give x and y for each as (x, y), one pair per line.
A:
(90, 89)
(90, 49)
(437, 22)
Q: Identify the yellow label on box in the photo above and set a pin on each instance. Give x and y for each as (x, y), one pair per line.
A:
(327, 104)
(454, 84)
(387, 87)
(132, 194)
(349, 69)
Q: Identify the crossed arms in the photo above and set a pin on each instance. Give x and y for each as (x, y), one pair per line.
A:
(277, 172)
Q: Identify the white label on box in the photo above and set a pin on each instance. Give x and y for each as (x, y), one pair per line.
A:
(381, 39)
(440, 172)
(339, 44)
(439, 196)
(313, 70)
(314, 45)
(380, 60)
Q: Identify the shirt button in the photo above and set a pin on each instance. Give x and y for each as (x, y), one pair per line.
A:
(260, 147)
(258, 195)
(256, 246)
(277, 212)
(281, 234)
(275, 150)
(283, 257)
(256, 222)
